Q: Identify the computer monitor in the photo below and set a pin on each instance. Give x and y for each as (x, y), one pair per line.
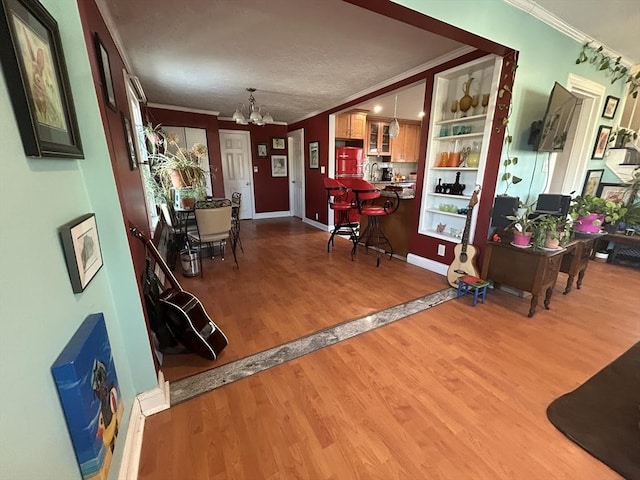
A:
(553, 204)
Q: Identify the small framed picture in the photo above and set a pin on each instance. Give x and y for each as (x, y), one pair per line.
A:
(610, 107)
(614, 192)
(601, 142)
(278, 165)
(278, 143)
(314, 154)
(81, 248)
(105, 74)
(128, 138)
(592, 182)
(262, 150)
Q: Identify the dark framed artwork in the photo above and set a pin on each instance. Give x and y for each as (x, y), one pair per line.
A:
(616, 192)
(105, 74)
(278, 143)
(601, 142)
(314, 154)
(82, 253)
(263, 150)
(610, 107)
(592, 182)
(37, 80)
(128, 138)
(278, 165)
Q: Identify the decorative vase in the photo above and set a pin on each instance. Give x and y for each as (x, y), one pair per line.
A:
(466, 100)
(473, 159)
(522, 239)
(590, 223)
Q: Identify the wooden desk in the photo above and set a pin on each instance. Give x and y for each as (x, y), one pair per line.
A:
(576, 258)
(527, 269)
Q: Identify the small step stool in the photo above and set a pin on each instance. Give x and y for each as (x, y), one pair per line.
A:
(468, 284)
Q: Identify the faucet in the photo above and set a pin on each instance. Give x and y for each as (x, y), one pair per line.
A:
(374, 173)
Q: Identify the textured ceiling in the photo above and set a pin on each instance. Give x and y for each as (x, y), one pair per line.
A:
(302, 56)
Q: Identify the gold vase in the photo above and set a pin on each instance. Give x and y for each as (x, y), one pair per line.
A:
(466, 100)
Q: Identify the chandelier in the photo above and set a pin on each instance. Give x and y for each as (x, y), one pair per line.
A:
(256, 115)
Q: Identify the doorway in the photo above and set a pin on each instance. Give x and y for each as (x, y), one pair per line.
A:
(236, 168)
(296, 173)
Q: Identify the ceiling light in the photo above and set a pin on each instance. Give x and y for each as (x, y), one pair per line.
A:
(421, 114)
(256, 115)
(377, 109)
(394, 129)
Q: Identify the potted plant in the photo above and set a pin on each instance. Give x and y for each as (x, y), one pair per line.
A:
(185, 198)
(552, 230)
(621, 136)
(178, 167)
(589, 213)
(523, 225)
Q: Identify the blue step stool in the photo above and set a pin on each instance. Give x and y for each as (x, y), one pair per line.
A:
(475, 285)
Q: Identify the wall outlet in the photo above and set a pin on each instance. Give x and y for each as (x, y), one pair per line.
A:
(316, 216)
(441, 250)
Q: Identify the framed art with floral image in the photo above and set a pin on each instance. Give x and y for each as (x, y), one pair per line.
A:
(610, 107)
(592, 181)
(128, 138)
(278, 143)
(314, 154)
(105, 73)
(263, 150)
(615, 192)
(601, 142)
(37, 80)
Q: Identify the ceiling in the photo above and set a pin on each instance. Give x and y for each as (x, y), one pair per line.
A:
(302, 56)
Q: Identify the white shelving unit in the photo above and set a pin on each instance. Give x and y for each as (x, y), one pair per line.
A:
(448, 86)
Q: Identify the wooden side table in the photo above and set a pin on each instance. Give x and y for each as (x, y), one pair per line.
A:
(576, 258)
(527, 269)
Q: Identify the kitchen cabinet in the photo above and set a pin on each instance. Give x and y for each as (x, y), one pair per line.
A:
(406, 146)
(378, 138)
(351, 125)
(450, 133)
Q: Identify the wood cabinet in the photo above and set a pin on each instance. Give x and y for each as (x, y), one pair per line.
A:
(455, 135)
(406, 146)
(378, 139)
(351, 125)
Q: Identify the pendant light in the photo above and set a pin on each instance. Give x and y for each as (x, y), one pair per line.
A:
(257, 115)
(394, 129)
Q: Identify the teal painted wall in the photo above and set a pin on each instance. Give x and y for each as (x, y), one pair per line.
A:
(545, 56)
(38, 310)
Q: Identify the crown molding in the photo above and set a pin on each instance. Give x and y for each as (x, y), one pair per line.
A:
(398, 78)
(545, 16)
(182, 109)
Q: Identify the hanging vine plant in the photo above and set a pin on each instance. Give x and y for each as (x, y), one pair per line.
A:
(504, 113)
(612, 67)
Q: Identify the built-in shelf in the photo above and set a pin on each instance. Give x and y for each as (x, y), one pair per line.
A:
(444, 236)
(461, 136)
(470, 118)
(435, 210)
(464, 169)
(465, 197)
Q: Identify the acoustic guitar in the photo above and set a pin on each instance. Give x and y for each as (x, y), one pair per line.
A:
(183, 313)
(465, 255)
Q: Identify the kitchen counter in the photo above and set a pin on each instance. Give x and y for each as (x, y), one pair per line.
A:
(397, 226)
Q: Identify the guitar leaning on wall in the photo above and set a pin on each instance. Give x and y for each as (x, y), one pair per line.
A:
(465, 255)
(184, 314)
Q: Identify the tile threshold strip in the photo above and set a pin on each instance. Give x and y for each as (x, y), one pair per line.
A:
(187, 388)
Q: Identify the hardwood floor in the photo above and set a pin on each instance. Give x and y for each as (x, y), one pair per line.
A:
(450, 393)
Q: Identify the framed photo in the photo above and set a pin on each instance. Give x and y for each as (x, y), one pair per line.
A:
(278, 165)
(601, 142)
(128, 138)
(314, 154)
(263, 149)
(278, 143)
(592, 182)
(610, 107)
(81, 248)
(36, 75)
(615, 192)
(105, 74)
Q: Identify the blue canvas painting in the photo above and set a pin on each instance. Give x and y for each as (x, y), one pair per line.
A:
(88, 387)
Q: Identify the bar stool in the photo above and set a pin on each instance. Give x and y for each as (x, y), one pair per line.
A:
(373, 235)
(342, 207)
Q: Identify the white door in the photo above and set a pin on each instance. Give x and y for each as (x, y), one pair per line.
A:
(296, 173)
(236, 168)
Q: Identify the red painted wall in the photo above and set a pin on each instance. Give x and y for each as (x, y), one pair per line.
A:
(271, 193)
(176, 118)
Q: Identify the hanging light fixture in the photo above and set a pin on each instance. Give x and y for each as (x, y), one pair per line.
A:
(256, 115)
(394, 129)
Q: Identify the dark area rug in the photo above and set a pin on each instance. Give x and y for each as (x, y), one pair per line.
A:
(603, 415)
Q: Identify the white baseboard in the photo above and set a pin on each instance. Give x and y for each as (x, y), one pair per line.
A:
(157, 399)
(427, 264)
(318, 225)
(132, 444)
(281, 214)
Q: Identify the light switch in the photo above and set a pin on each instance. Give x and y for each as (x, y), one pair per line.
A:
(322, 169)
(255, 169)
(441, 250)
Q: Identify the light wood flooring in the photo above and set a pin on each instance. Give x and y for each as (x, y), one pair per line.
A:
(454, 392)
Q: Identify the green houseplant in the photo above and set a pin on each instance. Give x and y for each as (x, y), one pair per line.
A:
(551, 230)
(589, 213)
(524, 226)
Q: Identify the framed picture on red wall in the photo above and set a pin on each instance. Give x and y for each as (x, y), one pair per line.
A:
(263, 150)
(278, 143)
(105, 73)
(314, 154)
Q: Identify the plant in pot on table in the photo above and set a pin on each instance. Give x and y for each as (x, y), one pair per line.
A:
(523, 226)
(552, 231)
(590, 213)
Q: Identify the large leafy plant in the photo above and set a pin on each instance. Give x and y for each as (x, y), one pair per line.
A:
(590, 204)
